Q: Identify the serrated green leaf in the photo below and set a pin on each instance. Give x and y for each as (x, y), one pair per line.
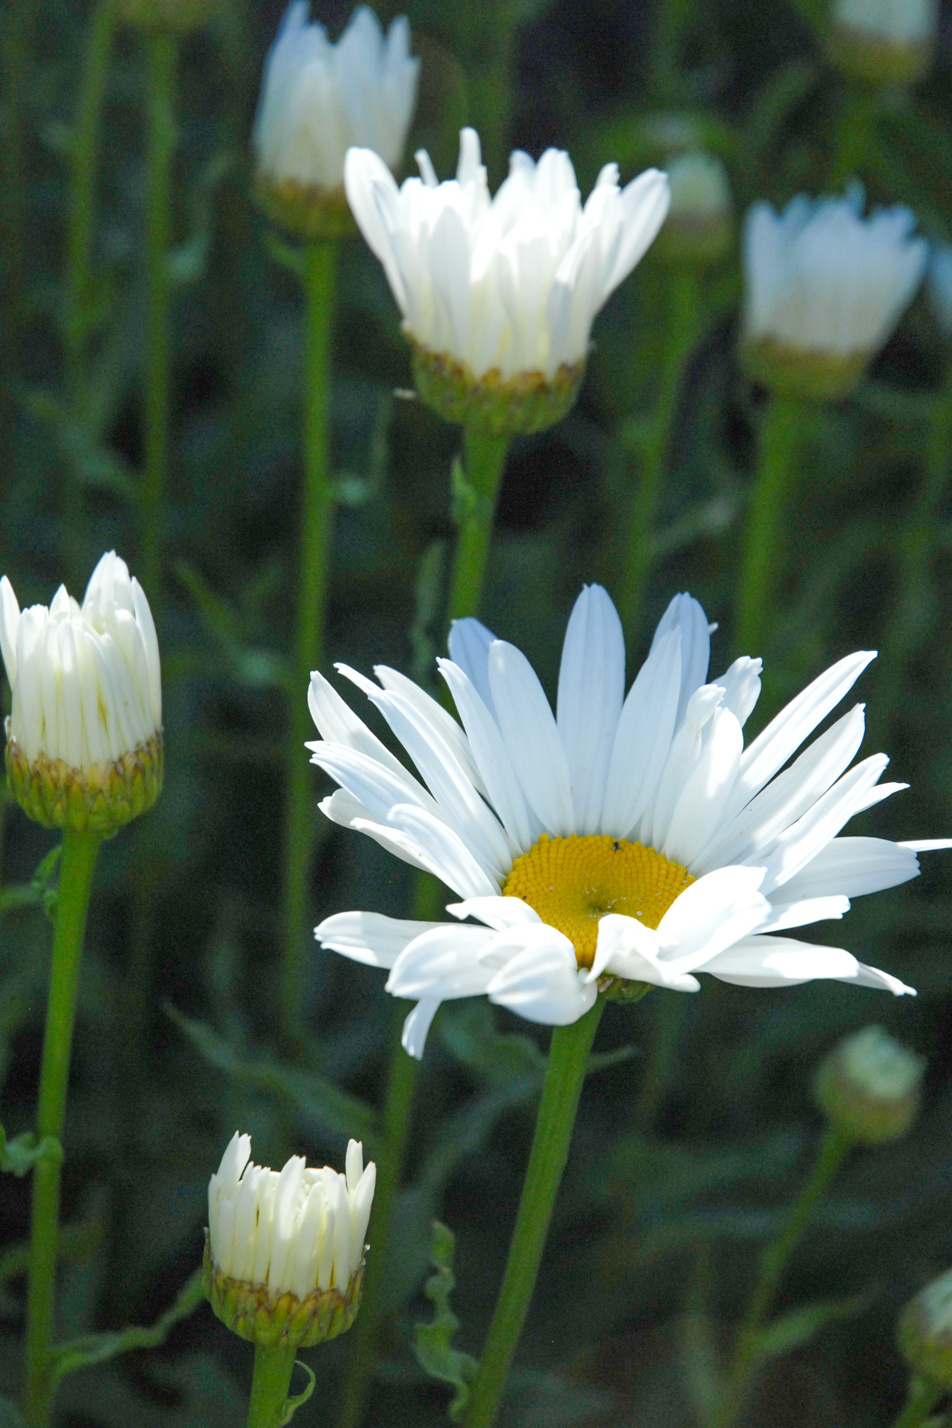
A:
(799, 1326)
(313, 1095)
(18, 1156)
(433, 1343)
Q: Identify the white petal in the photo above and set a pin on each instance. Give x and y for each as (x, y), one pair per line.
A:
(531, 737)
(495, 912)
(713, 912)
(782, 961)
(444, 852)
(543, 982)
(469, 644)
(686, 615)
(853, 867)
(369, 937)
(591, 689)
(441, 964)
(643, 738)
(804, 912)
(803, 840)
(416, 1027)
(628, 949)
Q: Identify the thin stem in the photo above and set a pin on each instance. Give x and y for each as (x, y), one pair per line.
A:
(160, 66)
(77, 866)
(773, 1262)
(680, 328)
(363, 1337)
(80, 293)
(923, 1397)
(672, 18)
(779, 442)
(320, 264)
(484, 461)
(564, 1078)
(269, 1387)
(854, 128)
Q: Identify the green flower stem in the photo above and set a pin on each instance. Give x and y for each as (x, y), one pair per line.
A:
(672, 18)
(269, 1387)
(773, 1262)
(364, 1336)
(923, 1397)
(916, 544)
(680, 330)
(779, 443)
(854, 129)
(160, 84)
(320, 268)
(484, 458)
(77, 865)
(564, 1078)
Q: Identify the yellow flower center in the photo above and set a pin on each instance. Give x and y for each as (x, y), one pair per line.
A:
(573, 882)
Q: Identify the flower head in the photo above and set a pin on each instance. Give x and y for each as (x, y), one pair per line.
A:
(699, 228)
(869, 1087)
(498, 295)
(824, 287)
(285, 1250)
(925, 1332)
(619, 843)
(883, 41)
(318, 99)
(84, 739)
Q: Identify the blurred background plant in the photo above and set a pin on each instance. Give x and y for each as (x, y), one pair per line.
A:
(129, 381)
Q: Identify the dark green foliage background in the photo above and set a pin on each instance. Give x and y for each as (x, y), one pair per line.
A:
(687, 1149)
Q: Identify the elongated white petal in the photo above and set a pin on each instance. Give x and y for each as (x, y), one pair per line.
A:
(442, 963)
(805, 911)
(591, 691)
(712, 913)
(369, 937)
(782, 961)
(543, 982)
(416, 1026)
(531, 737)
(627, 949)
(495, 912)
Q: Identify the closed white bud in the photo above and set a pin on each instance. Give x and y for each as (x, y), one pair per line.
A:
(317, 100)
(498, 295)
(925, 1332)
(823, 289)
(699, 228)
(883, 41)
(84, 738)
(869, 1087)
(285, 1250)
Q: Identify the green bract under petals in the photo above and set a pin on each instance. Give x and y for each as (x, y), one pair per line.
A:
(99, 799)
(496, 405)
(305, 210)
(256, 1313)
(794, 372)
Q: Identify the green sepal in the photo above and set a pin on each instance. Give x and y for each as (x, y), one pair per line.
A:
(492, 404)
(871, 60)
(433, 1343)
(100, 799)
(254, 1313)
(795, 372)
(305, 210)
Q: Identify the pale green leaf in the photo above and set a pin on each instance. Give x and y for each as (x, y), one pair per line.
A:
(433, 1343)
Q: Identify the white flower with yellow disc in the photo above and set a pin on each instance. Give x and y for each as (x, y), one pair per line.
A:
(621, 840)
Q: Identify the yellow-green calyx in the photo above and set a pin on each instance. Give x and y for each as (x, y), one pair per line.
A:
(255, 1313)
(795, 372)
(170, 16)
(306, 211)
(871, 59)
(99, 799)
(493, 404)
(925, 1332)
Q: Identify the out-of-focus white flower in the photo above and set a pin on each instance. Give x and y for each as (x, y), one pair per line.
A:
(925, 1332)
(823, 289)
(699, 227)
(285, 1251)
(883, 41)
(319, 99)
(869, 1086)
(939, 285)
(84, 739)
(500, 293)
(617, 844)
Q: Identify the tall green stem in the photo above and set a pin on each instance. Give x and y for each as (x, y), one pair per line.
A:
(77, 864)
(854, 129)
(80, 291)
(672, 18)
(269, 1387)
(773, 1262)
(320, 264)
(923, 1397)
(779, 442)
(681, 327)
(484, 459)
(564, 1078)
(160, 81)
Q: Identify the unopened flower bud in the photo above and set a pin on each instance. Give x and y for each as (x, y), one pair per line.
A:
(699, 228)
(317, 100)
(84, 739)
(869, 1087)
(883, 41)
(284, 1251)
(823, 289)
(925, 1332)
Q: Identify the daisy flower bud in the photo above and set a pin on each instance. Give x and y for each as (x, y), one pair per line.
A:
(284, 1251)
(84, 739)
(318, 99)
(699, 228)
(823, 289)
(498, 295)
(925, 1332)
(883, 41)
(869, 1087)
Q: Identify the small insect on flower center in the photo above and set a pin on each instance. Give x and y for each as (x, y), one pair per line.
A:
(574, 882)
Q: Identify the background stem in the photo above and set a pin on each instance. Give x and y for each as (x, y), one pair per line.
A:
(320, 264)
(484, 461)
(160, 66)
(564, 1078)
(269, 1387)
(779, 442)
(923, 1398)
(77, 865)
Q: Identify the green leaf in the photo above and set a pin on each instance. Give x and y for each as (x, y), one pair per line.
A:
(799, 1326)
(314, 1095)
(284, 254)
(18, 1156)
(468, 1031)
(428, 604)
(96, 1348)
(42, 885)
(291, 1405)
(21, 895)
(433, 1343)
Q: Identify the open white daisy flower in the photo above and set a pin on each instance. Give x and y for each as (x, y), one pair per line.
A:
(620, 840)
